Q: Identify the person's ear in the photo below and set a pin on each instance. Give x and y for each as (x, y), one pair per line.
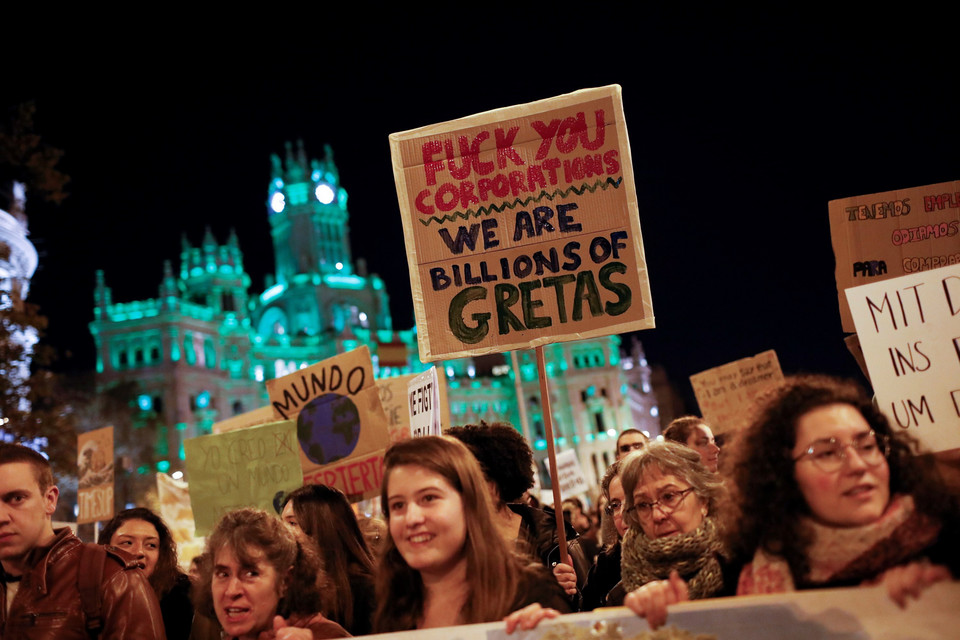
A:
(50, 497)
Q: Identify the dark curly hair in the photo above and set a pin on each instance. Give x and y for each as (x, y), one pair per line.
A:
(167, 571)
(768, 507)
(254, 534)
(503, 454)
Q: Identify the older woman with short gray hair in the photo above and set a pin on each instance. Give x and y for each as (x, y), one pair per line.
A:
(672, 549)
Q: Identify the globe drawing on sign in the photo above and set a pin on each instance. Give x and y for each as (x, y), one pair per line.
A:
(328, 428)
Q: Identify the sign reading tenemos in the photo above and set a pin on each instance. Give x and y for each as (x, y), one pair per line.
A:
(521, 226)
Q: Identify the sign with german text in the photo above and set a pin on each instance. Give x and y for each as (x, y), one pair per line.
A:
(909, 329)
(95, 475)
(423, 393)
(726, 393)
(885, 235)
(341, 426)
(521, 226)
(243, 468)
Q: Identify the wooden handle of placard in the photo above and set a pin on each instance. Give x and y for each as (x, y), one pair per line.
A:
(552, 455)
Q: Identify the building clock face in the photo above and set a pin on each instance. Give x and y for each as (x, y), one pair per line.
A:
(277, 201)
(324, 193)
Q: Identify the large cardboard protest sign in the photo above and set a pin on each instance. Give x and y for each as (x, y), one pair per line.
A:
(825, 614)
(521, 226)
(886, 235)
(95, 475)
(340, 423)
(243, 468)
(726, 393)
(909, 329)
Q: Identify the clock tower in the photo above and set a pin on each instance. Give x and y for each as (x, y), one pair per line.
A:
(308, 215)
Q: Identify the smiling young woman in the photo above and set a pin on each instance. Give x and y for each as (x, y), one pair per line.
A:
(444, 562)
(829, 495)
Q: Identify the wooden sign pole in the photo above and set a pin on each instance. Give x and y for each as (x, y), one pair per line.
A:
(552, 455)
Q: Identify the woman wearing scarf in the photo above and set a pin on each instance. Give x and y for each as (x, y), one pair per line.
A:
(828, 496)
(672, 550)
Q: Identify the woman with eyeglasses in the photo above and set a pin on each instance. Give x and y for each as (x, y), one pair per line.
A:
(603, 587)
(672, 549)
(828, 496)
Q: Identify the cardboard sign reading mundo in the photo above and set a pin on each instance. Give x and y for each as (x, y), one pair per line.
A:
(886, 235)
(909, 328)
(341, 426)
(521, 226)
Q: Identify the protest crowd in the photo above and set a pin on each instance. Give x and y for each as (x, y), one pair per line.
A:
(817, 492)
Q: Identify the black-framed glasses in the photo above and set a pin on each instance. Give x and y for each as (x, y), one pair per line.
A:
(613, 507)
(828, 454)
(668, 502)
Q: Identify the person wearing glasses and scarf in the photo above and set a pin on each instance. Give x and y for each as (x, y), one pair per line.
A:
(672, 549)
(827, 495)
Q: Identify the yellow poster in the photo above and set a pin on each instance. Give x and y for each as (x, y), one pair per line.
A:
(95, 475)
(726, 393)
(521, 226)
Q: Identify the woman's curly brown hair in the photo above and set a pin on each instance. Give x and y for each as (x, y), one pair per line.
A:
(767, 507)
(255, 535)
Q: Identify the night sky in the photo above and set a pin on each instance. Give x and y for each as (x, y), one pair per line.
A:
(742, 127)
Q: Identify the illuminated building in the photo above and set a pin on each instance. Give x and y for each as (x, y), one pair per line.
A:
(18, 262)
(202, 349)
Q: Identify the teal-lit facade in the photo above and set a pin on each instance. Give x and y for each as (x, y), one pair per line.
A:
(203, 348)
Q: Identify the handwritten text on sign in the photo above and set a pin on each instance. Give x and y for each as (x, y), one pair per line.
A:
(424, 394)
(726, 393)
(886, 235)
(339, 417)
(571, 478)
(247, 467)
(909, 328)
(521, 226)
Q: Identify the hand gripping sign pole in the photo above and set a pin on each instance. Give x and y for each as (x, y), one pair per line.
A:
(552, 455)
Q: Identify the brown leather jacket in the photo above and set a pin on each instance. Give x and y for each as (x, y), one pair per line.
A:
(47, 605)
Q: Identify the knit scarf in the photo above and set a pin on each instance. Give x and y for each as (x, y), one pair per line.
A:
(694, 555)
(847, 555)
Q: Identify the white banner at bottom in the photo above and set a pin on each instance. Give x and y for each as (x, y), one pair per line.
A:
(827, 614)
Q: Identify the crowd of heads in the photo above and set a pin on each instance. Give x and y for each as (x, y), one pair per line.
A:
(817, 453)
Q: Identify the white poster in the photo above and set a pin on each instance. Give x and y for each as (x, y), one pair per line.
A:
(909, 329)
(424, 395)
(571, 478)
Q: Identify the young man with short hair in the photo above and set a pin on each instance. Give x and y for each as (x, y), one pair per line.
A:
(630, 440)
(41, 567)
